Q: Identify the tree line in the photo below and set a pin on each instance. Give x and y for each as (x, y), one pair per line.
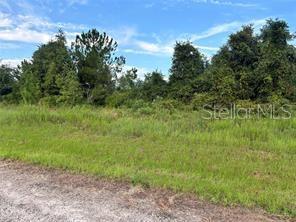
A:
(249, 67)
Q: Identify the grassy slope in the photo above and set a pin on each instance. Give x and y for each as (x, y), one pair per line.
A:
(247, 162)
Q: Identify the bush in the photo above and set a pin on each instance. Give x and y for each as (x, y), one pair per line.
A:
(98, 95)
(12, 98)
(137, 104)
(202, 99)
(146, 111)
(118, 99)
(182, 93)
(167, 104)
(49, 101)
(246, 104)
(277, 100)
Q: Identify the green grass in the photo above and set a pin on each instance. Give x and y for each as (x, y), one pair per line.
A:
(246, 162)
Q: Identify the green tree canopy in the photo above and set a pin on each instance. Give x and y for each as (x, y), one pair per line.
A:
(154, 86)
(187, 65)
(8, 79)
(97, 64)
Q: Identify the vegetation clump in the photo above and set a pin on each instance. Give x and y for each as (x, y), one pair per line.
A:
(259, 68)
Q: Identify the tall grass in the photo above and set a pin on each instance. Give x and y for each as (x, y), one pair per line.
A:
(247, 162)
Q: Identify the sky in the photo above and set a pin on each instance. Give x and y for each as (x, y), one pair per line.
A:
(146, 30)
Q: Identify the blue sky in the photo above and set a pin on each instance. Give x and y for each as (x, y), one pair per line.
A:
(146, 30)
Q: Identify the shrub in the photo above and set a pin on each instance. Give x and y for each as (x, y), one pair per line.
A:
(146, 111)
(98, 95)
(246, 104)
(167, 104)
(118, 99)
(137, 104)
(202, 99)
(277, 100)
(49, 101)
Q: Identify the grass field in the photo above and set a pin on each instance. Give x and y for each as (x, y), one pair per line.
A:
(246, 162)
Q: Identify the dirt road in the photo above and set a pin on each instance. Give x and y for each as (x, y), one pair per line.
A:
(29, 193)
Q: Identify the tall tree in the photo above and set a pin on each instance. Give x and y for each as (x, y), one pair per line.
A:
(97, 65)
(50, 81)
(241, 54)
(276, 33)
(276, 72)
(48, 62)
(242, 49)
(187, 65)
(70, 90)
(39, 77)
(30, 86)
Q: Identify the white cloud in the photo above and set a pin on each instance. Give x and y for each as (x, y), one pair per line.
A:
(226, 3)
(80, 2)
(22, 22)
(223, 28)
(149, 5)
(24, 35)
(124, 35)
(8, 45)
(5, 21)
(216, 30)
(229, 3)
(150, 47)
(22, 29)
(166, 47)
(11, 62)
(207, 48)
(31, 29)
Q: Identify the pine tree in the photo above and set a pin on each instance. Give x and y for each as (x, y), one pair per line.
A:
(50, 86)
(97, 66)
(70, 90)
(30, 89)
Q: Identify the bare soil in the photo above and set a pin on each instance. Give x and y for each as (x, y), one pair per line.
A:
(32, 193)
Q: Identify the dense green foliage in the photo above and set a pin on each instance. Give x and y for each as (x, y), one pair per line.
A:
(251, 67)
(9, 84)
(227, 161)
(187, 65)
(93, 53)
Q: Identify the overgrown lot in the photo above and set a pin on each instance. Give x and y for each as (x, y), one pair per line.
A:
(247, 162)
